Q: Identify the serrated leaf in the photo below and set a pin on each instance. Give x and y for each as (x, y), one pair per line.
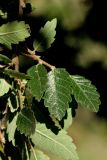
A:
(46, 36)
(85, 93)
(13, 33)
(58, 93)
(26, 122)
(38, 80)
(4, 59)
(4, 87)
(13, 102)
(38, 155)
(15, 74)
(11, 128)
(60, 145)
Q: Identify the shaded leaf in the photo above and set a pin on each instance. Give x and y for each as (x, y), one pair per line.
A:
(38, 80)
(85, 93)
(15, 74)
(38, 155)
(60, 145)
(58, 93)
(4, 87)
(13, 33)
(11, 128)
(26, 122)
(46, 36)
(4, 59)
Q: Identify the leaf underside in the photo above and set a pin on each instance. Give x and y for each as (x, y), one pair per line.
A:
(60, 145)
(13, 33)
(58, 93)
(85, 93)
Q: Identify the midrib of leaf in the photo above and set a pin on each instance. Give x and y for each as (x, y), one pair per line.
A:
(7, 33)
(84, 93)
(39, 81)
(42, 134)
(26, 118)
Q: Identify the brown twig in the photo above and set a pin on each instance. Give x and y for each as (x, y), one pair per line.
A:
(33, 56)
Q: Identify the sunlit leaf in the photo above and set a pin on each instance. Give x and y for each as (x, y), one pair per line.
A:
(4, 87)
(46, 36)
(85, 93)
(11, 128)
(58, 93)
(26, 122)
(68, 120)
(13, 33)
(38, 155)
(38, 80)
(60, 145)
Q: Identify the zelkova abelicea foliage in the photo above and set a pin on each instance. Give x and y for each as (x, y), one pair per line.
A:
(36, 106)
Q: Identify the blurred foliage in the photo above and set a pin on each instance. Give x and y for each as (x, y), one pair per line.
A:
(71, 13)
(89, 51)
(90, 136)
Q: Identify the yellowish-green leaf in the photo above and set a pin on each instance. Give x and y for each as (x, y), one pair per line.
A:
(13, 33)
(38, 155)
(60, 145)
(4, 87)
(46, 36)
(11, 128)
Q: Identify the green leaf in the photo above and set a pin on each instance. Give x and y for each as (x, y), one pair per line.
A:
(15, 74)
(4, 59)
(46, 36)
(58, 93)
(11, 128)
(13, 102)
(38, 155)
(85, 93)
(13, 33)
(38, 80)
(4, 87)
(60, 145)
(26, 122)
(68, 120)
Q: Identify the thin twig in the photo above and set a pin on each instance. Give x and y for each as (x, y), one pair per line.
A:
(33, 56)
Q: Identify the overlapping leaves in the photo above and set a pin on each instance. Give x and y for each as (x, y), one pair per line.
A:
(60, 145)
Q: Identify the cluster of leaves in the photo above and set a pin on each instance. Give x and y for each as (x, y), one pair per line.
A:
(36, 106)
